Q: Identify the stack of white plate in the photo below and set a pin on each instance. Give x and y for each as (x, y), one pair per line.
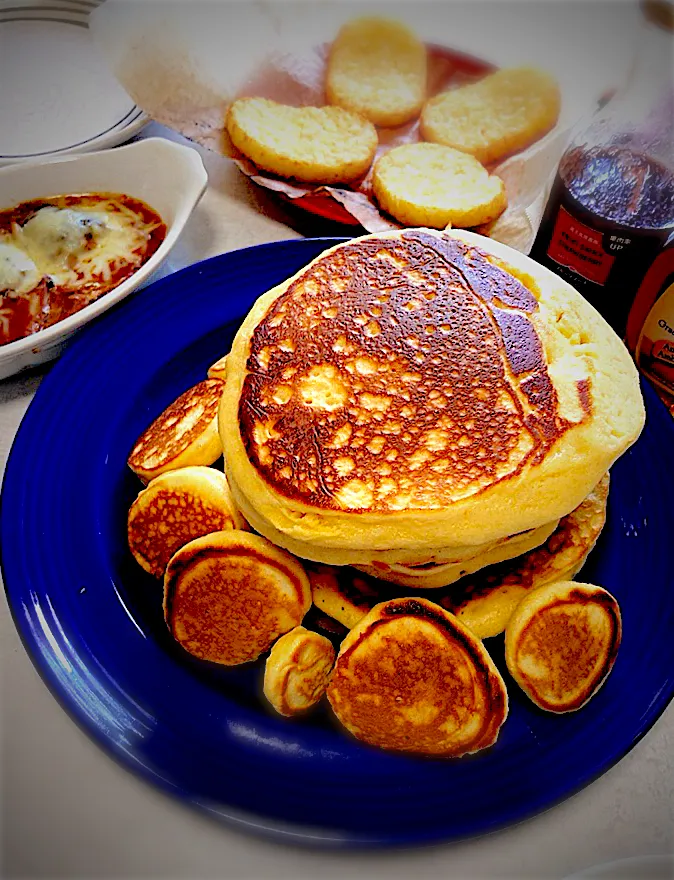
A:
(57, 95)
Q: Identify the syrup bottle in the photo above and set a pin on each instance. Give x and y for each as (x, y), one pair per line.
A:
(608, 227)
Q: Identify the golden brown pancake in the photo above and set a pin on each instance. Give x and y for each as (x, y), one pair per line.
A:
(297, 671)
(382, 380)
(175, 508)
(186, 433)
(218, 370)
(562, 642)
(439, 571)
(484, 601)
(342, 594)
(410, 677)
(418, 390)
(229, 595)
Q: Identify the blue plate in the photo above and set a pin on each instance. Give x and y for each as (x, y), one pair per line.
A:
(92, 621)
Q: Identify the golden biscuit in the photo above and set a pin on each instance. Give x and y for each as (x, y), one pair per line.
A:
(561, 643)
(377, 67)
(410, 677)
(500, 114)
(313, 144)
(175, 508)
(186, 433)
(433, 185)
(229, 595)
(297, 671)
(218, 370)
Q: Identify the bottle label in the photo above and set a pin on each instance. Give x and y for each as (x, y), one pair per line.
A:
(609, 216)
(580, 248)
(655, 350)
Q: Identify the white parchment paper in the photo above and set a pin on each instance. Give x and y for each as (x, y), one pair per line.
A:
(184, 62)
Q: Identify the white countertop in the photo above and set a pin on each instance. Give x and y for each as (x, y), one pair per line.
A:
(69, 811)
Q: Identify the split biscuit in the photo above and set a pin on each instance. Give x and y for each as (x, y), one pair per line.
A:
(175, 508)
(186, 433)
(228, 596)
(502, 113)
(433, 185)
(312, 144)
(378, 68)
(410, 677)
(297, 671)
(561, 643)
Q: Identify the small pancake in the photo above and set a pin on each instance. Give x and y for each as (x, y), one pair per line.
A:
(313, 144)
(297, 671)
(229, 595)
(502, 113)
(410, 677)
(175, 508)
(377, 68)
(561, 643)
(218, 370)
(186, 433)
(434, 185)
(341, 593)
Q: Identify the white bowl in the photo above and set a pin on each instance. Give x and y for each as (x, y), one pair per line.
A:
(170, 177)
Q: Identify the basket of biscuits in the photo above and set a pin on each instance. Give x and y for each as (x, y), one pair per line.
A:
(372, 128)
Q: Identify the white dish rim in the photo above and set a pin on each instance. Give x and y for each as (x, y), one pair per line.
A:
(36, 342)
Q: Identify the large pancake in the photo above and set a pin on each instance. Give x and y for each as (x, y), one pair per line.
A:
(458, 559)
(436, 570)
(417, 390)
(485, 601)
(410, 677)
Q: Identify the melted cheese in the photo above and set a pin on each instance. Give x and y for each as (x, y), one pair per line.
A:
(76, 247)
(18, 273)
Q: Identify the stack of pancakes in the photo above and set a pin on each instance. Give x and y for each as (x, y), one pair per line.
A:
(420, 405)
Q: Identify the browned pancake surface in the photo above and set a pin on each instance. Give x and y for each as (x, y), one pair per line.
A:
(178, 426)
(395, 374)
(226, 606)
(416, 692)
(565, 650)
(156, 530)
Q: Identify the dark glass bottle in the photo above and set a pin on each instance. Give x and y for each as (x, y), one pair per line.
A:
(610, 212)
